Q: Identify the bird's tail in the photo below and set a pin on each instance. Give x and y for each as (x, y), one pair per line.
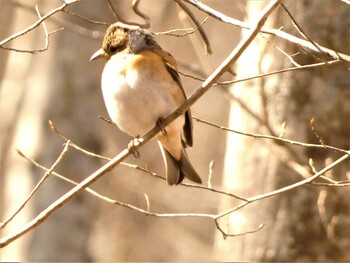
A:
(177, 170)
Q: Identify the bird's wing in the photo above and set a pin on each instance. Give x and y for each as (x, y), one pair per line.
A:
(171, 67)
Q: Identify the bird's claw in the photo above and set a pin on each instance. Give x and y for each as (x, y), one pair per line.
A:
(132, 146)
(159, 124)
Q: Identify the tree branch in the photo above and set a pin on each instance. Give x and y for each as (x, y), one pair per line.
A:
(37, 23)
(276, 32)
(46, 175)
(286, 188)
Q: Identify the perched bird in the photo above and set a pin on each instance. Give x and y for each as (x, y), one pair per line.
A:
(141, 87)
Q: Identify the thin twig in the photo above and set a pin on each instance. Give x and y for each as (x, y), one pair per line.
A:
(148, 204)
(320, 139)
(337, 184)
(198, 25)
(133, 166)
(283, 129)
(286, 188)
(37, 23)
(85, 18)
(46, 175)
(211, 172)
(53, 127)
(300, 29)
(282, 51)
(147, 211)
(230, 82)
(45, 29)
(47, 35)
(108, 121)
(270, 137)
(114, 12)
(226, 234)
(276, 32)
(188, 31)
(137, 11)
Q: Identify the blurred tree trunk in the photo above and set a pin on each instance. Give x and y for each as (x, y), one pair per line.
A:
(20, 119)
(310, 223)
(36, 88)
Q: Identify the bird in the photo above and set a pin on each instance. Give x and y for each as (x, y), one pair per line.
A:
(141, 87)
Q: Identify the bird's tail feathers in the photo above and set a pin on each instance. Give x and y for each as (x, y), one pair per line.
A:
(177, 170)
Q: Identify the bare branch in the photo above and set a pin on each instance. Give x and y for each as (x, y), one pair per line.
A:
(211, 172)
(312, 123)
(335, 184)
(270, 137)
(135, 7)
(85, 18)
(198, 25)
(226, 234)
(283, 52)
(148, 204)
(114, 12)
(230, 82)
(171, 215)
(37, 23)
(46, 175)
(300, 30)
(108, 121)
(172, 32)
(145, 170)
(47, 34)
(276, 32)
(53, 127)
(67, 24)
(286, 188)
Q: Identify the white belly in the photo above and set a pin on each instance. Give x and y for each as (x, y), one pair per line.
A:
(136, 100)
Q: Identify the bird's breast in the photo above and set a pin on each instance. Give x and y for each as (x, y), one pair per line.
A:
(137, 91)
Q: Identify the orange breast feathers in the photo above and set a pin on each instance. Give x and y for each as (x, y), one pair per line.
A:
(152, 65)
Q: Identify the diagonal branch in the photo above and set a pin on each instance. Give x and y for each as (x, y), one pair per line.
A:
(286, 188)
(198, 25)
(276, 32)
(46, 175)
(37, 23)
(47, 35)
(300, 30)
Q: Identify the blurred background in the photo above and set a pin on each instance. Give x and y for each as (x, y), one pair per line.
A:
(310, 223)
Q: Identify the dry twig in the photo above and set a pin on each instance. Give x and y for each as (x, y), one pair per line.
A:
(36, 24)
(46, 175)
(198, 25)
(300, 29)
(137, 11)
(275, 138)
(276, 32)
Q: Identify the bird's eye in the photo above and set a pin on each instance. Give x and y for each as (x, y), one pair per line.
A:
(113, 49)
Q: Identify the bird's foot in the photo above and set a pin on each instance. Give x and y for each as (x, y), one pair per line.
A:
(159, 124)
(132, 146)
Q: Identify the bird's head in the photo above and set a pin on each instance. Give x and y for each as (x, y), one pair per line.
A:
(122, 38)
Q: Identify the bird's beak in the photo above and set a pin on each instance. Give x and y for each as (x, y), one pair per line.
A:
(99, 54)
